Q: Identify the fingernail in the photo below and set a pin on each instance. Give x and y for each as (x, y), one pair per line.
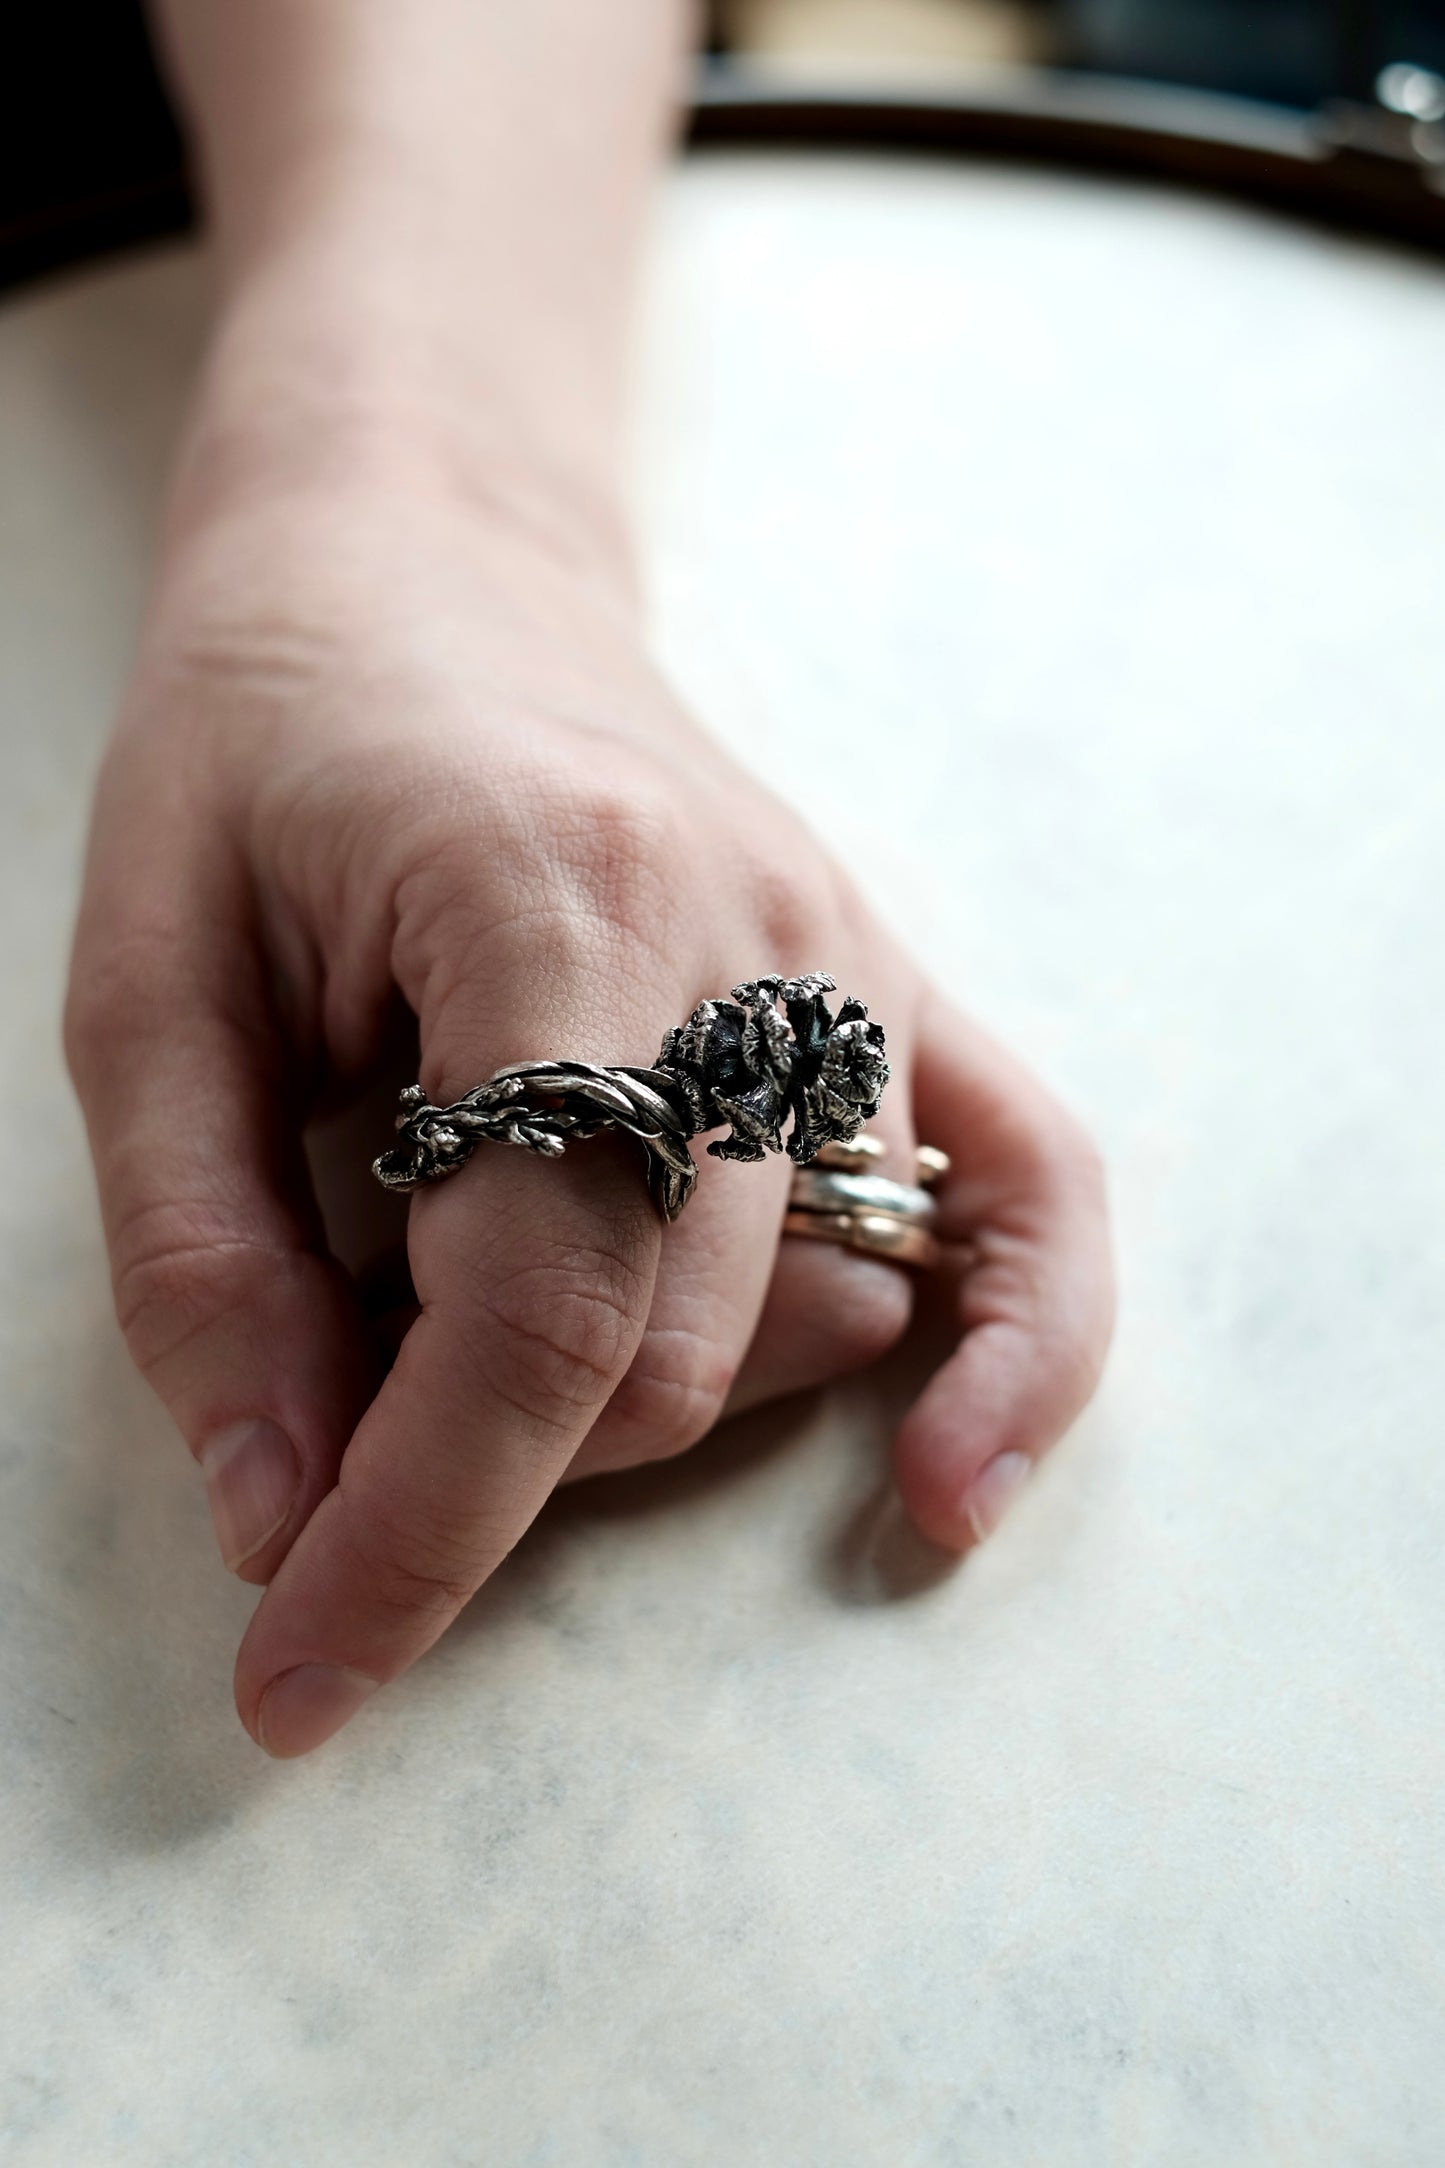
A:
(987, 1498)
(252, 1475)
(300, 1708)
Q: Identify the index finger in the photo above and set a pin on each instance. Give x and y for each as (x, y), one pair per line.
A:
(535, 1279)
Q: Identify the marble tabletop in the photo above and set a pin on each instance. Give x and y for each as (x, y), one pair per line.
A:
(1077, 553)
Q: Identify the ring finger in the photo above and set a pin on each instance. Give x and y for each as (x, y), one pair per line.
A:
(832, 1309)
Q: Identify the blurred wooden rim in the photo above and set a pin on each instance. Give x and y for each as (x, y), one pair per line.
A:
(1347, 163)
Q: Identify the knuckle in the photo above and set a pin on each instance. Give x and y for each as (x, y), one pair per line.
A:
(1068, 1155)
(794, 922)
(617, 856)
(567, 1326)
(176, 1269)
(81, 1021)
(412, 1570)
(122, 982)
(575, 879)
(1090, 1170)
(671, 1396)
(445, 919)
(1049, 1158)
(851, 1310)
(1075, 1349)
(868, 1312)
(794, 895)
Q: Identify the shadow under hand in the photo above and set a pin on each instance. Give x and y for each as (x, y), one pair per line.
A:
(742, 1443)
(678, 1488)
(877, 1555)
(136, 1624)
(874, 1556)
(147, 1621)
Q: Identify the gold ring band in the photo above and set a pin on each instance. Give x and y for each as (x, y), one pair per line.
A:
(874, 1234)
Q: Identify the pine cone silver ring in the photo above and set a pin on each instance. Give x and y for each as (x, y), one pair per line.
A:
(739, 1062)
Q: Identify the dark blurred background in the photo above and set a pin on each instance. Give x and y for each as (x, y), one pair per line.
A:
(1292, 52)
(1297, 52)
(90, 156)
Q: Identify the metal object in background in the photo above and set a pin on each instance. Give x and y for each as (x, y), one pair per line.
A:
(737, 1062)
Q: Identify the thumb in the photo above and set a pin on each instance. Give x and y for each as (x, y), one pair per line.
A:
(248, 1330)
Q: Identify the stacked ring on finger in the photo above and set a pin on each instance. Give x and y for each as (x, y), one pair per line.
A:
(840, 1199)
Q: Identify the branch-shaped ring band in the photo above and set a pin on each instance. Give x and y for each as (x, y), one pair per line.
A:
(740, 1062)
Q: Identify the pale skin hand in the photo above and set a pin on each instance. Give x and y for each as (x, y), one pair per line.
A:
(392, 738)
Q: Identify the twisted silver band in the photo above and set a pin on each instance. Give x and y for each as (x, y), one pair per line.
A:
(737, 1062)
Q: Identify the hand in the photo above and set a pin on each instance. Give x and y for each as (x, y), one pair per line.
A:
(384, 748)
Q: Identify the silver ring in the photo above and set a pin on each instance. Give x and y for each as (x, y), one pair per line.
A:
(831, 1202)
(817, 1190)
(737, 1062)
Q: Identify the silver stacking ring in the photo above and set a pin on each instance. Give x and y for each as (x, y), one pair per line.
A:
(841, 1199)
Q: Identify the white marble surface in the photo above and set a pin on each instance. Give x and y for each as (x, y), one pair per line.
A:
(1091, 546)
